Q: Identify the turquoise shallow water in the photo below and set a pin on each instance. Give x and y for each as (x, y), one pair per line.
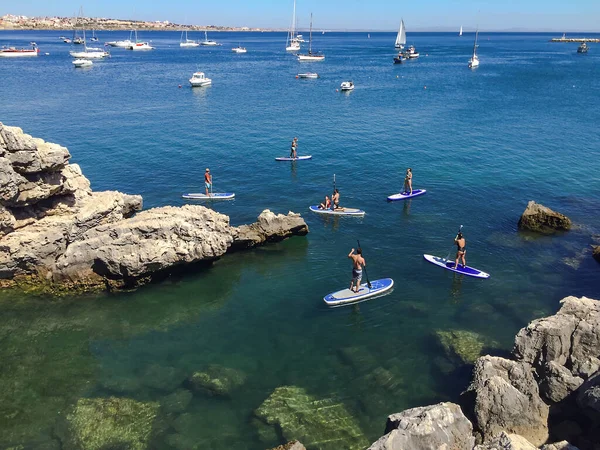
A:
(482, 143)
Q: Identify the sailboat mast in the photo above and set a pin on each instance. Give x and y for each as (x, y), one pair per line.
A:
(310, 37)
(475, 44)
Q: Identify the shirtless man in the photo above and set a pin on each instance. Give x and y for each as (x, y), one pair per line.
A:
(335, 200)
(461, 251)
(207, 181)
(358, 262)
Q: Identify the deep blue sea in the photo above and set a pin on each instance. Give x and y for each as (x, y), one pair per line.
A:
(523, 126)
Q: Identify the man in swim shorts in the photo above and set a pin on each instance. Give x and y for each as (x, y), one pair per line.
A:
(358, 262)
(207, 181)
(461, 249)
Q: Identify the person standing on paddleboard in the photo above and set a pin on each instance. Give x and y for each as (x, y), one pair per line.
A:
(294, 148)
(358, 262)
(461, 251)
(408, 181)
(207, 181)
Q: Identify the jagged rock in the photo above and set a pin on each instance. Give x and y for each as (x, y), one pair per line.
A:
(293, 445)
(588, 397)
(557, 382)
(504, 396)
(570, 338)
(9, 182)
(428, 427)
(596, 252)
(101, 423)
(319, 423)
(542, 219)
(217, 380)
(505, 441)
(269, 227)
(13, 139)
(462, 345)
(562, 445)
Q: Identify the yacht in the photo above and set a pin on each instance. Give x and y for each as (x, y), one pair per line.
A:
(126, 43)
(293, 42)
(12, 52)
(198, 80)
(206, 41)
(583, 48)
(239, 49)
(137, 45)
(82, 63)
(347, 86)
(187, 42)
(310, 56)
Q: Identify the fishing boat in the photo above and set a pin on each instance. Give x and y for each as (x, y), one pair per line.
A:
(347, 86)
(308, 75)
(310, 56)
(12, 52)
(401, 36)
(82, 63)
(208, 42)
(239, 49)
(199, 79)
(460, 32)
(583, 48)
(474, 61)
(187, 42)
(292, 43)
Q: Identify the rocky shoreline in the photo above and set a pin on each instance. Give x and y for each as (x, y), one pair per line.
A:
(57, 234)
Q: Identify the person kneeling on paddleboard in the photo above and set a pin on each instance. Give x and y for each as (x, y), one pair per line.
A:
(461, 245)
(207, 181)
(358, 262)
(326, 204)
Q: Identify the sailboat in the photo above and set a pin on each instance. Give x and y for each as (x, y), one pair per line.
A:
(460, 32)
(474, 61)
(292, 43)
(137, 45)
(401, 36)
(206, 41)
(87, 53)
(94, 38)
(310, 56)
(187, 42)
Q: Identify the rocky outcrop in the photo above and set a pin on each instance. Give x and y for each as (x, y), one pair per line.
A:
(55, 231)
(428, 427)
(293, 445)
(542, 219)
(505, 441)
(596, 252)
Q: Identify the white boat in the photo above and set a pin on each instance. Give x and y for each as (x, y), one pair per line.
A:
(187, 42)
(206, 41)
(347, 86)
(299, 38)
(474, 61)
(82, 63)
(89, 53)
(78, 40)
(94, 38)
(126, 43)
(292, 43)
(199, 79)
(308, 75)
(12, 52)
(310, 56)
(239, 49)
(411, 53)
(137, 45)
(583, 48)
(460, 32)
(401, 36)
(66, 40)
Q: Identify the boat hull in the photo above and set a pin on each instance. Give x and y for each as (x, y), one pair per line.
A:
(89, 55)
(18, 53)
(189, 44)
(311, 58)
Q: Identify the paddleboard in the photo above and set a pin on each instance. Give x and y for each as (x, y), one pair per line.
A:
(338, 212)
(405, 195)
(298, 158)
(449, 265)
(213, 196)
(378, 287)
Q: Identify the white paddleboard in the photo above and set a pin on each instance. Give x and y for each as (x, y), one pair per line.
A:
(449, 265)
(378, 287)
(338, 212)
(213, 196)
(406, 195)
(297, 158)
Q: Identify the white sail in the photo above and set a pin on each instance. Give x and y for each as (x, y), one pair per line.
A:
(292, 43)
(460, 32)
(401, 36)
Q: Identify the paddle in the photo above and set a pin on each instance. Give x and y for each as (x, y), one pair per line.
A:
(364, 268)
(332, 205)
(459, 230)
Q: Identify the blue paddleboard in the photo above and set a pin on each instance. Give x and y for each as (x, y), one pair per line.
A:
(378, 287)
(449, 265)
(213, 196)
(297, 158)
(405, 195)
(338, 212)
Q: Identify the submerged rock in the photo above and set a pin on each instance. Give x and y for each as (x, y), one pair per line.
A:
(101, 423)
(542, 219)
(217, 380)
(292, 445)
(466, 346)
(428, 427)
(318, 423)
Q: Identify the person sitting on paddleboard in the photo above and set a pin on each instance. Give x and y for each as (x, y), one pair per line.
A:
(207, 181)
(358, 262)
(335, 199)
(461, 245)
(408, 181)
(326, 204)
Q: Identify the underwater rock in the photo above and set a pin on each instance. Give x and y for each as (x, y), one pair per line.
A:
(542, 219)
(101, 423)
(427, 427)
(466, 346)
(359, 357)
(177, 402)
(318, 423)
(292, 445)
(162, 378)
(217, 380)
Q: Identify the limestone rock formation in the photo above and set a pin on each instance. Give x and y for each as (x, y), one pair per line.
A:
(562, 445)
(505, 397)
(504, 441)
(54, 229)
(101, 423)
(542, 219)
(428, 427)
(596, 252)
(319, 423)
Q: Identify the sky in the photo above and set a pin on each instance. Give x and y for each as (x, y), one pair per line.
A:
(384, 15)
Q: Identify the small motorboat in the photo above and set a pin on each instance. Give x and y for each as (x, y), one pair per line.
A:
(400, 58)
(199, 79)
(583, 48)
(66, 40)
(239, 49)
(78, 40)
(82, 63)
(411, 52)
(308, 75)
(347, 86)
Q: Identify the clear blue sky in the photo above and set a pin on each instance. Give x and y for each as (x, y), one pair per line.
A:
(419, 15)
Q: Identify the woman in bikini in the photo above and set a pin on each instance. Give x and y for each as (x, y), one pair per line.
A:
(408, 181)
(461, 251)
(326, 204)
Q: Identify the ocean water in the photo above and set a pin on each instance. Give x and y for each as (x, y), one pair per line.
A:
(482, 142)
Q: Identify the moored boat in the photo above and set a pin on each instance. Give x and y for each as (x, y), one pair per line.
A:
(347, 86)
(12, 52)
(310, 56)
(187, 42)
(82, 63)
(199, 79)
(208, 42)
(308, 75)
(239, 49)
(293, 41)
